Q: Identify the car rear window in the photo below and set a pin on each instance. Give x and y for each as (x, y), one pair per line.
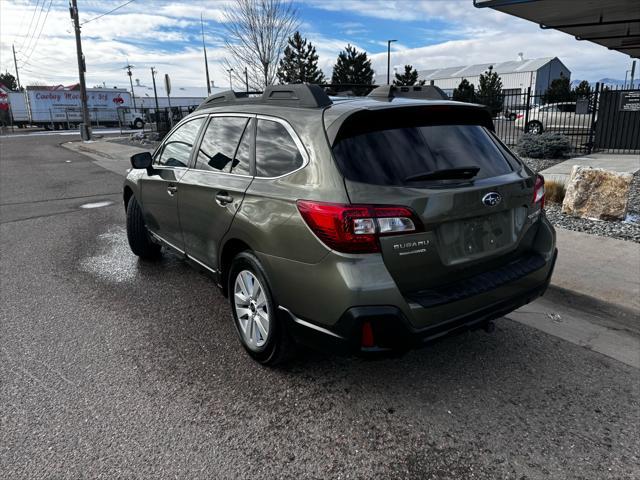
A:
(390, 156)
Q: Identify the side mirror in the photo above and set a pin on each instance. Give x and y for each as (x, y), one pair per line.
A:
(141, 160)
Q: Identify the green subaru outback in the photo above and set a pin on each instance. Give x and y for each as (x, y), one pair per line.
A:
(363, 224)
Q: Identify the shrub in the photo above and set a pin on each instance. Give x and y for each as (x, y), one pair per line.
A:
(547, 145)
(554, 191)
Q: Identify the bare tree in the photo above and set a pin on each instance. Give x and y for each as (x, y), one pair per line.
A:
(256, 35)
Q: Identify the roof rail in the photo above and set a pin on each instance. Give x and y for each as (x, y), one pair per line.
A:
(292, 95)
(222, 98)
(297, 95)
(422, 92)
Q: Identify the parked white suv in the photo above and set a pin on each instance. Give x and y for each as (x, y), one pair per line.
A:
(560, 116)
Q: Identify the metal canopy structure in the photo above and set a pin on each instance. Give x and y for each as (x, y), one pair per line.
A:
(614, 24)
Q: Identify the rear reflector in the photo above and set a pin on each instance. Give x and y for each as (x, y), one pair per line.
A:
(367, 340)
(355, 228)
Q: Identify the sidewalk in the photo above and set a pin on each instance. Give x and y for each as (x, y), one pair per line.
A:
(599, 267)
(602, 268)
(112, 156)
(617, 163)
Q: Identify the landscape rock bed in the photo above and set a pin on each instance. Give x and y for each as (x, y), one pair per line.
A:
(627, 230)
(147, 141)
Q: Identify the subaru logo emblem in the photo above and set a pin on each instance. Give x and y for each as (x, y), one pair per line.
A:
(492, 199)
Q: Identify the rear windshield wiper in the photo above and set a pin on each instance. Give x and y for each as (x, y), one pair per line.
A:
(445, 174)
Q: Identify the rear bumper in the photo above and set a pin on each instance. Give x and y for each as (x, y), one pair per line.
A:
(391, 329)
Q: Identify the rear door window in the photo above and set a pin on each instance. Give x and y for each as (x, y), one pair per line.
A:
(276, 152)
(391, 156)
(219, 143)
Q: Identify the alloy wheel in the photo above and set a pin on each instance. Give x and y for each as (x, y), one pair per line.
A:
(252, 309)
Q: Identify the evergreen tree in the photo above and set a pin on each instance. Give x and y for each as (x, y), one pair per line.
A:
(490, 90)
(8, 81)
(408, 78)
(465, 92)
(353, 67)
(300, 62)
(558, 91)
(583, 90)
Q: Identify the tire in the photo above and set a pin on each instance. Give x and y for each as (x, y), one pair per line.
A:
(138, 235)
(247, 275)
(534, 127)
(138, 124)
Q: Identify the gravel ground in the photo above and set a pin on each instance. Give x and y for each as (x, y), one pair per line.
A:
(634, 195)
(627, 230)
(539, 164)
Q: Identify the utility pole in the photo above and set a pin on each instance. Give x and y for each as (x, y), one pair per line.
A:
(389, 60)
(155, 92)
(13, 47)
(633, 72)
(133, 94)
(206, 64)
(85, 129)
(246, 78)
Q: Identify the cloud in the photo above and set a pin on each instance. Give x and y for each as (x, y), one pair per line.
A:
(167, 35)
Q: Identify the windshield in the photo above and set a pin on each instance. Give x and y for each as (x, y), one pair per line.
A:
(395, 156)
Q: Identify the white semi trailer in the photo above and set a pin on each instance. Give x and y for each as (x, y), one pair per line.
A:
(61, 108)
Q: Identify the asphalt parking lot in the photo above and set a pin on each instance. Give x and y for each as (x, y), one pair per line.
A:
(115, 368)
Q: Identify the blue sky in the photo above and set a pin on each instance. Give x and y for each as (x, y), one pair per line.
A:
(166, 35)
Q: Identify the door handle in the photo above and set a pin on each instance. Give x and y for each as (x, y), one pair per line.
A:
(223, 198)
(172, 189)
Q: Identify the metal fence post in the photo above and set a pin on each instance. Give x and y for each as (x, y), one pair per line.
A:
(594, 108)
(526, 110)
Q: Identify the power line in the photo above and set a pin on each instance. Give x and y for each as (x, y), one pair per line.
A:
(35, 27)
(33, 15)
(107, 13)
(24, 62)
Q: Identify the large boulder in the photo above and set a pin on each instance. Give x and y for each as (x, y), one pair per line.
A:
(597, 193)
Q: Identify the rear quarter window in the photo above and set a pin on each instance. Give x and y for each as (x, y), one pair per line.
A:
(276, 152)
(390, 156)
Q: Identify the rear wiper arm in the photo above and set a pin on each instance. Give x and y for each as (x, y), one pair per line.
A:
(445, 174)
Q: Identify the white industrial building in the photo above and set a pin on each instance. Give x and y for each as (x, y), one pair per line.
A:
(180, 96)
(517, 75)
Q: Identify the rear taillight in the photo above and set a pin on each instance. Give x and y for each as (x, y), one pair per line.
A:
(356, 228)
(519, 115)
(538, 191)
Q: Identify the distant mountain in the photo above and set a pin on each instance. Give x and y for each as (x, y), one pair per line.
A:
(612, 82)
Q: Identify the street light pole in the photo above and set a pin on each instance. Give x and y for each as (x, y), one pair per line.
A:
(85, 131)
(389, 60)
(230, 84)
